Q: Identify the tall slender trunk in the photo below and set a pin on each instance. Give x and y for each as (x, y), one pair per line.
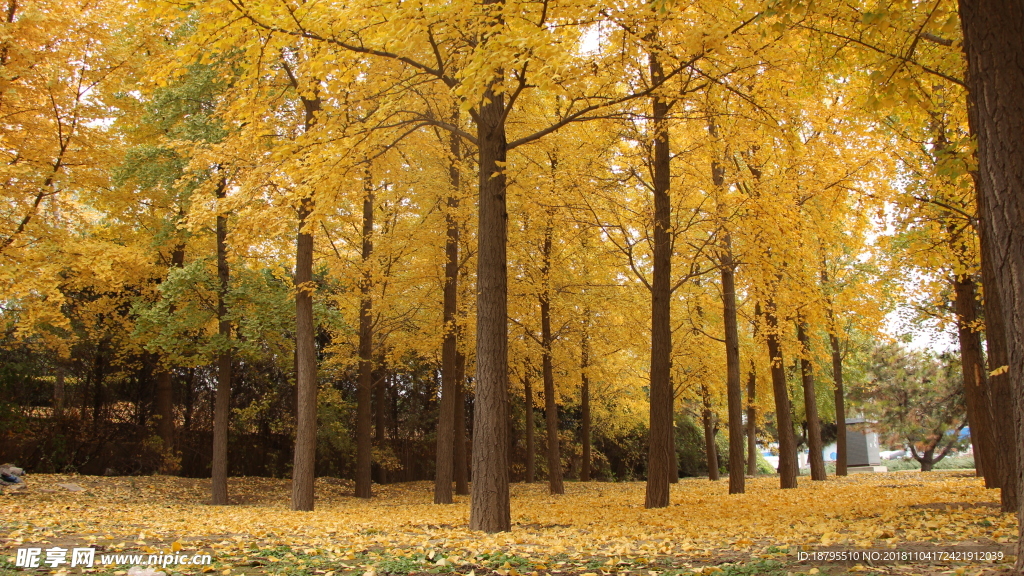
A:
(732, 362)
(751, 421)
(382, 406)
(837, 376)
(550, 406)
(710, 446)
(58, 393)
(972, 364)
(304, 467)
(993, 32)
(531, 428)
(99, 371)
(461, 468)
(364, 394)
(659, 457)
(733, 387)
(446, 416)
(489, 503)
(815, 456)
(585, 397)
(164, 381)
(222, 407)
(783, 415)
(1003, 462)
(840, 402)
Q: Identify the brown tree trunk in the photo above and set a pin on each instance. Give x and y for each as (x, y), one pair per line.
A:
(710, 447)
(383, 404)
(815, 456)
(972, 364)
(304, 467)
(993, 32)
(751, 421)
(164, 382)
(364, 394)
(840, 401)
(585, 399)
(531, 428)
(58, 393)
(837, 379)
(489, 503)
(1003, 462)
(550, 406)
(732, 361)
(98, 374)
(783, 416)
(446, 416)
(659, 457)
(461, 468)
(222, 405)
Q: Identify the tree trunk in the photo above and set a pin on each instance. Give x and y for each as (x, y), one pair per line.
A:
(364, 395)
(993, 43)
(840, 401)
(304, 467)
(58, 393)
(837, 378)
(489, 503)
(382, 404)
(972, 364)
(222, 406)
(98, 375)
(446, 417)
(752, 421)
(659, 457)
(732, 361)
(531, 448)
(164, 382)
(783, 416)
(710, 447)
(1002, 462)
(926, 460)
(815, 456)
(550, 406)
(585, 399)
(461, 469)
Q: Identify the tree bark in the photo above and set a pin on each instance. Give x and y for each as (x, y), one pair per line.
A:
(550, 406)
(751, 421)
(837, 378)
(164, 381)
(461, 468)
(840, 402)
(58, 393)
(972, 364)
(446, 418)
(98, 375)
(489, 503)
(710, 447)
(993, 43)
(659, 457)
(382, 404)
(585, 398)
(783, 416)
(222, 406)
(364, 395)
(304, 467)
(815, 456)
(531, 429)
(732, 362)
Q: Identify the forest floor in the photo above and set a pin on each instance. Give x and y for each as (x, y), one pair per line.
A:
(594, 529)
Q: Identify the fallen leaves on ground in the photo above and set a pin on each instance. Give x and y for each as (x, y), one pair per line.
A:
(595, 529)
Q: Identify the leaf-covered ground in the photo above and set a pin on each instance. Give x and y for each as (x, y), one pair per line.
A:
(595, 529)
